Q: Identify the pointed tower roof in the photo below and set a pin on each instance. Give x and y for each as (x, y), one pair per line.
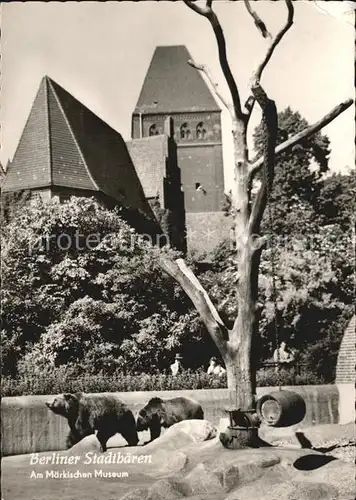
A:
(65, 144)
(172, 85)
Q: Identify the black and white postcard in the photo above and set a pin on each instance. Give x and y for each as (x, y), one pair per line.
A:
(177, 250)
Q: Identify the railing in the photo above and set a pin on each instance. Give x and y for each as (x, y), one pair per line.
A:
(279, 374)
(298, 367)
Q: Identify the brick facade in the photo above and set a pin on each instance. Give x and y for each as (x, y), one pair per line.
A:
(345, 368)
(142, 123)
(174, 90)
(155, 160)
(202, 177)
(200, 162)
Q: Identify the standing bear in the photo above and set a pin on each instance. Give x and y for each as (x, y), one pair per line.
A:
(166, 412)
(86, 413)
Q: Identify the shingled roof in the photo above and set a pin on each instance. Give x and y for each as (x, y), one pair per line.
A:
(64, 144)
(172, 85)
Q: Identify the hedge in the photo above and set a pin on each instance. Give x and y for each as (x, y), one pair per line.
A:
(60, 381)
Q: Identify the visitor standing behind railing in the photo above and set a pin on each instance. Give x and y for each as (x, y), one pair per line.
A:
(283, 356)
(176, 367)
(215, 368)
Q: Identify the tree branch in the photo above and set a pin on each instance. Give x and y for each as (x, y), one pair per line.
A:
(203, 11)
(181, 273)
(270, 128)
(203, 68)
(274, 42)
(224, 64)
(313, 129)
(258, 21)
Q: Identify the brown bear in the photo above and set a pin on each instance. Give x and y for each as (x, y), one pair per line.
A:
(164, 413)
(86, 413)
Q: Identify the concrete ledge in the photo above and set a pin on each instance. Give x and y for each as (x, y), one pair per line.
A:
(346, 403)
(27, 426)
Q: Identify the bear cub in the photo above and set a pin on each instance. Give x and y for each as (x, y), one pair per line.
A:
(164, 413)
(86, 413)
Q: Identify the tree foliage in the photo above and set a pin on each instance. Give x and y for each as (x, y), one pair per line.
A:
(310, 226)
(297, 173)
(87, 291)
(12, 203)
(336, 201)
(314, 280)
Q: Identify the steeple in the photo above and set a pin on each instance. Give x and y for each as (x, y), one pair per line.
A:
(172, 85)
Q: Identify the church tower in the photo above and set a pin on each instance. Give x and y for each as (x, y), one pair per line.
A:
(172, 88)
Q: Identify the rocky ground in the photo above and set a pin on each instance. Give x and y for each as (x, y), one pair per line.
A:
(338, 441)
(344, 451)
(188, 462)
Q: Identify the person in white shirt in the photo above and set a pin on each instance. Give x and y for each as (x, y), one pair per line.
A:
(283, 356)
(176, 367)
(215, 368)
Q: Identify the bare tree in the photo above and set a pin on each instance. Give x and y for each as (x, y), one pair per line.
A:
(236, 345)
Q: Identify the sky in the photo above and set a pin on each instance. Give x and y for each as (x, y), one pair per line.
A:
(100, 52)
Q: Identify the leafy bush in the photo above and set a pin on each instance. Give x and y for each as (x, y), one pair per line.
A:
(103, 307)
(314, 277)
(63, 379)
(269, 378)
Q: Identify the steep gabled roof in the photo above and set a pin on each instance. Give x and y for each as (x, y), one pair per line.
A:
(31, 166)
(65, 144)
(172, 85)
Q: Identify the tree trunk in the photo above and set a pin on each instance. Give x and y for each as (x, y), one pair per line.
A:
(240, 359)
(240, 379)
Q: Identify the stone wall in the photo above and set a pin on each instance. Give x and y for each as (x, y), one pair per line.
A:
(345, 367)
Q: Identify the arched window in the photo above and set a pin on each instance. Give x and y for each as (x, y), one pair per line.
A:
(153, 130)
(201, 131)
(185, 133)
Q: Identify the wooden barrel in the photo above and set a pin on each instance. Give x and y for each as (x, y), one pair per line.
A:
(281, 408)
